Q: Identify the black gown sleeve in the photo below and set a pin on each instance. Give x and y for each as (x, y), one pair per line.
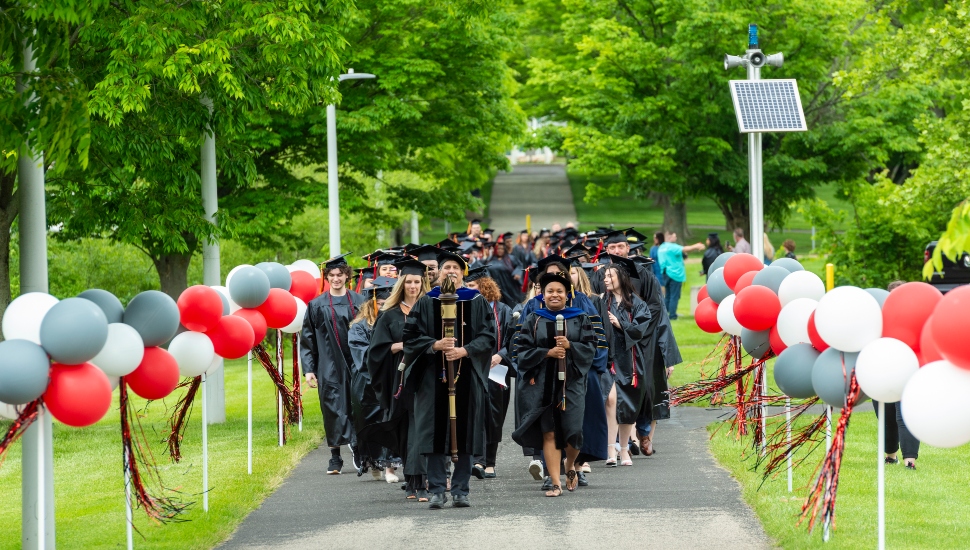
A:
(308, 341)
(636, 324)
(531, 354)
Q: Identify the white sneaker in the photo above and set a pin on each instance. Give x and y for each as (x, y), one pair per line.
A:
(535, 468)
(391, 478)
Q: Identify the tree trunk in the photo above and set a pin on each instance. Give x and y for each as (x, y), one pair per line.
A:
(173, 272)
(736, 215)
(9, 208)
(675, 217)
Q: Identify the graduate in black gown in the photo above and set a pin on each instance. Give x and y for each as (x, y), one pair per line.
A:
(326, 357)
(552, 403)
(498, 394)
(506, 271)
(427, 352)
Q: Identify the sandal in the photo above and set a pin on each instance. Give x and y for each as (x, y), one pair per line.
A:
(610, 462)
(571, 480)
(556, 491)
(646, 445)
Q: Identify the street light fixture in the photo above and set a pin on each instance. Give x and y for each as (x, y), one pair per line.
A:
(333, 202)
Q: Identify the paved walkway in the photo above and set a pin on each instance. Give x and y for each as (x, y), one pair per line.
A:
(539, 190)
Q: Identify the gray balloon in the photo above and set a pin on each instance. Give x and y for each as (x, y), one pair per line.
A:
(249, 287)
(771, 277)
(720, 261)
(880, 294)
(155, 316)
(24, 371)
(756, 342)
(789, 264)
(225, 303)
(279, 276)
(717, 289)
(793, 371)
(74, 331)
(108, 302)
(829, 380)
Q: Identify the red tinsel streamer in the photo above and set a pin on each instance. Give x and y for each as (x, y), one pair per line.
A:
(297, 379)
(778, 447)
(757, 400)
(139, 460)
(696, 391)
(180, 417)
(26, 417)
(289, 409)
(821, 497)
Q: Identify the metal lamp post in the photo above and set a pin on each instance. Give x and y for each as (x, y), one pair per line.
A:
(332, 187)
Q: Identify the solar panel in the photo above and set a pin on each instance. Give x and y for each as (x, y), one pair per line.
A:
(768, 106)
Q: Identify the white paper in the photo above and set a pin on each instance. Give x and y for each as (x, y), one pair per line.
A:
(497, 374)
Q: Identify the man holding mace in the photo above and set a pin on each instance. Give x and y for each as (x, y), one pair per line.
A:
(448, 339)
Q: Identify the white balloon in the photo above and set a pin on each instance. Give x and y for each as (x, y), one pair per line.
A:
(935, 405)
(193, 352)
(793, 321)
(801, 284)
(308, 266)
(122, 352)
(725, 316)
(847, 318)
(115, 382)
(883, 368)
(297, 324)
(8, 411)
(215, 365)
(233, 272)
(233, 306)
(23, 316)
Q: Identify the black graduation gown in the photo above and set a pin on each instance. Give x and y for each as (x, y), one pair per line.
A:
(367, 409)
(633, 360)
(499, 397)
(326, 354)
(475, 332)
(503, 274)
(539, 389)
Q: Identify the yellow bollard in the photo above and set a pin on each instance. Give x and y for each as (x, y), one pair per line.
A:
(829, 277)
(528, 223)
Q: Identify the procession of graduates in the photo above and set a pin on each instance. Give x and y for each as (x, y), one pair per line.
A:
(576, 320)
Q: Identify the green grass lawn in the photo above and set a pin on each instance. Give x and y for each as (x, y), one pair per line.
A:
(89, 488)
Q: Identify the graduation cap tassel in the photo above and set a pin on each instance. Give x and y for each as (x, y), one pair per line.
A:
(599, 249)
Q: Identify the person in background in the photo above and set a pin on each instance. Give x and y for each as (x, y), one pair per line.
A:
(898, 436)
(769, 250)
(788, 249)
(671, 262)
(714, 250)
(658, 239)
(523, 250)
(741, 246)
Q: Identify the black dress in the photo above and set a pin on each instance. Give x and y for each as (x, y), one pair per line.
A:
(544, 403)
(503, 271)
(325, 352)
(633, 360)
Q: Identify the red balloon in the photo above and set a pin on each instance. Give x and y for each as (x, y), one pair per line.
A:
(279, 309)
(156, 376)
(232, 337)
(906, 310)
(200, 308)
(777, 344)
(928, 351)
(304, 286)
(744, 281)
(78, 395)
(951, 324)
(257, 321)
(701, 294)
(814, 336)
(706, 316)
(756, 307)
(738, 265)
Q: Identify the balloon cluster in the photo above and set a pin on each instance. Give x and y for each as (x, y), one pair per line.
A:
(821, 337)
(73, 352)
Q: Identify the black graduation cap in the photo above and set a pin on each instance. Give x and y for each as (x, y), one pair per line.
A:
(447, 244)
(636, 247)
(551, 259)
(629, 265)
(425, 252)
(448, 256)
(487, 230)
(410, 266)
(336, 261)
(576, 250)
(642, 260)
(617, 236)
(532, 273)
(467, 246)
(473, 222)
(565, 281)
(365, 272)
(457, 236)
(476, 273)
(506, 236)
(635, 234)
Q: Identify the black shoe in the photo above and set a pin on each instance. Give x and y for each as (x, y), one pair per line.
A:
(358, 463)
(547, 484)
(489, 475)
(336, 464)
(460, 501)
(890, 460)
(634, 449)
(478, 472)
(437, 501)
(583, 482)
(911, 466)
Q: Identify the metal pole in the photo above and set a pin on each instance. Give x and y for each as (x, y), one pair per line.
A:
(37, 461)
(211, 276)
(298, 381)
(279, 395)
(249, 412)
(205, 448)
(415, 233)
(128, 516)
(757, 223)
(881, 474)
(333, 191)
(788, 438)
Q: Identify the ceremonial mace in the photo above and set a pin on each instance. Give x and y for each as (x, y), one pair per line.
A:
(448, 300)
(561, 363)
